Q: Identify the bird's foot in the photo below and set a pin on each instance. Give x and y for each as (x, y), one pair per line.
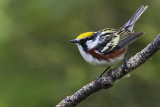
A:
(125, 65)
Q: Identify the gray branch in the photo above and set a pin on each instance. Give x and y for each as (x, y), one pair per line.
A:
(107, 81)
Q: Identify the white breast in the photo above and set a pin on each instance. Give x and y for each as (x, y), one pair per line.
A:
(89, 58)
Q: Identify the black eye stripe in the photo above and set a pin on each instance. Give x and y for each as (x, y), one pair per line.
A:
(84, 40)
(93, 37)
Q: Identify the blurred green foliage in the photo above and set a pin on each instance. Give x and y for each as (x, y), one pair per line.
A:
(39, 67)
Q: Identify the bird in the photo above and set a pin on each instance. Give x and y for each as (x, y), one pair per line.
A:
(109, 46)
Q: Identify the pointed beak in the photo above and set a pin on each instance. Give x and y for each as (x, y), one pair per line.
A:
(74, 41)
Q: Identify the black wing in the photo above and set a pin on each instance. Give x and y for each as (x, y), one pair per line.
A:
(125, 42)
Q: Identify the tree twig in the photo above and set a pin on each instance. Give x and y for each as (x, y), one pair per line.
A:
(107, 81)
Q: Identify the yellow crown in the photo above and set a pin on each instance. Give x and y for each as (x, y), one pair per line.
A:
(84, 35)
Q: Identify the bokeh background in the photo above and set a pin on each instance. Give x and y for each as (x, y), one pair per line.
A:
(39, 67)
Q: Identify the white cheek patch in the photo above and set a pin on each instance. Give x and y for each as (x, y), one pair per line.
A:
(91, 44)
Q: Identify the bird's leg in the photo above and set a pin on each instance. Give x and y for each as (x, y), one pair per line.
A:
(103, 72)
(125, 64)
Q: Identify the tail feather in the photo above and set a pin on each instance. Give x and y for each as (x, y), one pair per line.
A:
(130, 24)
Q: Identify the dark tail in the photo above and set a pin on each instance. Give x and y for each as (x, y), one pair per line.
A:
(130, 24)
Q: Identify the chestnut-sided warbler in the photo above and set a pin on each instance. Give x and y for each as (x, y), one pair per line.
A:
(108, 46)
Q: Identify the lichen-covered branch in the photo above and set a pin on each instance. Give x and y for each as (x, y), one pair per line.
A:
(107, 81)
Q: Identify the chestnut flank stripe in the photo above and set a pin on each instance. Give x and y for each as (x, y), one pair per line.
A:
(106, 57)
